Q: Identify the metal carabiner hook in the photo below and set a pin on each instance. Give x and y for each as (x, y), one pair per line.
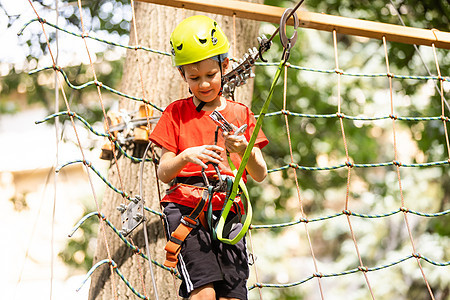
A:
(288, 43)
(219, 176)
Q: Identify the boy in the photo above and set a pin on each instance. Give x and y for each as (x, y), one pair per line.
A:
(187, 135)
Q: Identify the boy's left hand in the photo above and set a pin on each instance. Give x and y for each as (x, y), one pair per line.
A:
(235, 143)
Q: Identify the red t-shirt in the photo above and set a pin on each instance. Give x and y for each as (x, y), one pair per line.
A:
(181, 127)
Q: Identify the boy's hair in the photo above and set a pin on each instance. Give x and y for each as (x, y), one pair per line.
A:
(219, 58)
(197, 38)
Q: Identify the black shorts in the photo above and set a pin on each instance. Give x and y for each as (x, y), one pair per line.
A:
(204, 261)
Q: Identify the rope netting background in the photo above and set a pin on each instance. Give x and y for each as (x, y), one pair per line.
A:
(404, 207)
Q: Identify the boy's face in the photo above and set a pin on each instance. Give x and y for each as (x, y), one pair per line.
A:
(204, 79)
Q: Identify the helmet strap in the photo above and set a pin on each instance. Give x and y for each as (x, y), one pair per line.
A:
(221, 75)
(200, 106)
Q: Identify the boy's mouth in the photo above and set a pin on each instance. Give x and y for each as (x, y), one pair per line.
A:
(205, 93)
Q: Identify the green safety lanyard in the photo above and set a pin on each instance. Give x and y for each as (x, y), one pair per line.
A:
(238, 181)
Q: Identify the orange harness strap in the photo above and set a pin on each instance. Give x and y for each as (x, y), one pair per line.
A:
(187, 223)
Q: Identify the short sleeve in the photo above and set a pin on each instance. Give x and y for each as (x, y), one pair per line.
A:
(261, 139)
(166, 132)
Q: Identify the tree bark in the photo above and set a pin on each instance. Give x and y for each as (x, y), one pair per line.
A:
(162, 85)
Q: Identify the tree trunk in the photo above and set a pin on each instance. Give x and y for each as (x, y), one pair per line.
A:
(162, 85)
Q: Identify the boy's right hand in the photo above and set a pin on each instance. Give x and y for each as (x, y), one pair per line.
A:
(202, 154)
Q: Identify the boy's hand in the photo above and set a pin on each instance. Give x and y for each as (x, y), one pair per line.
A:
(235, 143)
(201, 154)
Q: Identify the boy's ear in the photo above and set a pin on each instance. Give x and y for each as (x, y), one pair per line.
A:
(225, 64)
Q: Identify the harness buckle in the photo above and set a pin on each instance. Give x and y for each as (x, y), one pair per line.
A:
(189, 222)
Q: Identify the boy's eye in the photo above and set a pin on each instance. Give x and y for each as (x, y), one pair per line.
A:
(212, 74)
(193, 78)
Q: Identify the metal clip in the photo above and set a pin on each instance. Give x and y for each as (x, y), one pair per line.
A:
(288, 43)
(221, 122)
(285, 41)
(264, 45)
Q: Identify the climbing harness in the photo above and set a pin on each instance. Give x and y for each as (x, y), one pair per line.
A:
(197, 216)
(187, 223)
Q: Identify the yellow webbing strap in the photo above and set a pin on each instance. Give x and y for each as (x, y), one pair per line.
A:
(246, 218)
(238, 182)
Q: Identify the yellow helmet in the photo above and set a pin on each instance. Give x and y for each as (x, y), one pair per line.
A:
(197, 38)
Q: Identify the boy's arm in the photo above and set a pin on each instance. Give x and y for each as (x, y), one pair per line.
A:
(256, 165)
(171, 164)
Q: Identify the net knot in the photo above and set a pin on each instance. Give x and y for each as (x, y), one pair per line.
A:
(390, 75)
(71, 114)
(404, 209)
(98, 83)
(349, 164)
(56, 68)
(417, 255)
(285, 112)
(363, 268)
(304, 220)
(318, 274)
(397, 163)
(137, 250)
(338, 71)
(102, 216)
(393, 117)
(340, 115)
(41, 20)
(347, 212)
(84, 35)
(293, 165)
(87, 163)
(444, 118)
(257, 284)
(113, 264)
(112, 137)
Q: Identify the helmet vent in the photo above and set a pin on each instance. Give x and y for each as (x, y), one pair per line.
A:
(213, 38)
(180, 47)
(203, 41)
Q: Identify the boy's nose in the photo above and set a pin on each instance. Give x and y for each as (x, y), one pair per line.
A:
(204, 83)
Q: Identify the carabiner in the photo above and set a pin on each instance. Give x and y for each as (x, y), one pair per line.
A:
(288, 43)
(218, 187)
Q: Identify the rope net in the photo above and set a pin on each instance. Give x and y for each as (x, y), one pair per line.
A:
(376, 235)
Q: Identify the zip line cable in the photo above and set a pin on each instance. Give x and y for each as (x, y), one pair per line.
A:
(141, 192)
